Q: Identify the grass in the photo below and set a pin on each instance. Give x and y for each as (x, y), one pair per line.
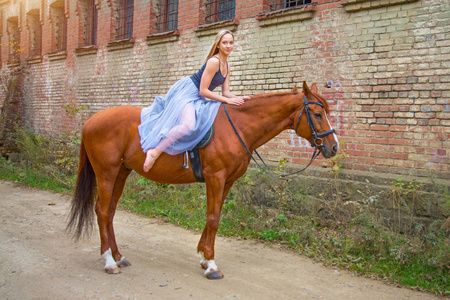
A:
(272, 213)
(353, 238)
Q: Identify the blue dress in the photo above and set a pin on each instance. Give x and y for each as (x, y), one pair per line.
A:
(165, 112)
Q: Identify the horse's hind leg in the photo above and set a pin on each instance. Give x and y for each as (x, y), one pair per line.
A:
(105, 209)
(117, 192)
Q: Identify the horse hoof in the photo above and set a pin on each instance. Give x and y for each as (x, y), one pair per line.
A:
(214, 275)
(112, 270)
(123, 263)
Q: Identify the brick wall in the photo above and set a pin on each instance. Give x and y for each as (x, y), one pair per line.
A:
(385, 62)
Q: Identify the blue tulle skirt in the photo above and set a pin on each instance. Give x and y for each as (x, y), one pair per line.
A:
(165, 113)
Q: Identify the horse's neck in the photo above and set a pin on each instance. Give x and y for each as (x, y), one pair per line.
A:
(266, 117)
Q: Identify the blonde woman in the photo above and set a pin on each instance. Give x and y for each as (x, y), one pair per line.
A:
(177, 122)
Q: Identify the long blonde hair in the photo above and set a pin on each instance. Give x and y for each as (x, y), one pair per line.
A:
(214, 49)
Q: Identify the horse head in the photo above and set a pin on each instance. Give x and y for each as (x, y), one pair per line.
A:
(313, 123)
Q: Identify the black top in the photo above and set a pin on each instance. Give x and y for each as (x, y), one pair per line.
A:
(217, 80)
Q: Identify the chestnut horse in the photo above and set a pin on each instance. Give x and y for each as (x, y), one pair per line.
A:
(110, 148)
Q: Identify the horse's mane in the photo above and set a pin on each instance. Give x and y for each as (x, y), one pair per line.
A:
(316, 96)
(277, 94)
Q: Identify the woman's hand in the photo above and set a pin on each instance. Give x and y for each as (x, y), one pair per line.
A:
(236, 100)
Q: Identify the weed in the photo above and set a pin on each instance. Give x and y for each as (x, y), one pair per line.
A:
(404, 196)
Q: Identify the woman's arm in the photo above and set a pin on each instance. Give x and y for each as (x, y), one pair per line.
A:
(212, 66)
(226, 88)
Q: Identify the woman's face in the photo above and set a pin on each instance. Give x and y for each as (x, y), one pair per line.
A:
(226, 44)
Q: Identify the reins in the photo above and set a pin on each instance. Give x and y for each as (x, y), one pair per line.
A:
(316, 143)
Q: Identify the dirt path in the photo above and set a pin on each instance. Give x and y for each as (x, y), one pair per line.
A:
(38, 260)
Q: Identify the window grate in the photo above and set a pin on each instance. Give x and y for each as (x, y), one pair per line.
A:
(167, 19)
(220, 10)
(62, 40)
(35, 45)
(125, 19)
(35, 33)
(92, 23)
(14, 52)
(281, 4)
(14, 44)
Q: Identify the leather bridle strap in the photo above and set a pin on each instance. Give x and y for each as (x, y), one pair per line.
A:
(242, 141)
(278, 176)
(317, 137)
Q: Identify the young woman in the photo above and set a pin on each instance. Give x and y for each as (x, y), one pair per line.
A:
(179, 121)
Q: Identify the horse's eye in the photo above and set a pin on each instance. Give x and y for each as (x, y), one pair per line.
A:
(318, 116)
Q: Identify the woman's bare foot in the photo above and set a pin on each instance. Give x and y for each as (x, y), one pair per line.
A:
(152, 156)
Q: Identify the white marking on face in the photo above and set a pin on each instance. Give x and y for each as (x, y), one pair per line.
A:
(334, 134)
(107, 256)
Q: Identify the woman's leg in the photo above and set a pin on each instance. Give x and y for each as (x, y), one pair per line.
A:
(187, 124)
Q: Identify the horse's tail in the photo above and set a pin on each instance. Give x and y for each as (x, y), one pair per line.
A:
(81, 216)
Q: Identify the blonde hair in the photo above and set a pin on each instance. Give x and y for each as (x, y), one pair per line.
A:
(214, 49)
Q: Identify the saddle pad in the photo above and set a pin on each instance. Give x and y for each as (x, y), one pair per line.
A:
(207, 138)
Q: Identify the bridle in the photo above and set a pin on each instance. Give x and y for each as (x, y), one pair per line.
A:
(317, 142)
(317, 137)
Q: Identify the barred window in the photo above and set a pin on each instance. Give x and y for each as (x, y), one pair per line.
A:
(220, 10)
(281, 4)
(35, 33)
(59, 24)
(124, 29)
(167, 18)
(14, 40)
(89, 17)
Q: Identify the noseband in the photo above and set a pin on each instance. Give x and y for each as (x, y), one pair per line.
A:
(317, 140)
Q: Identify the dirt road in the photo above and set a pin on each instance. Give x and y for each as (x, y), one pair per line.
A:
(38, 260)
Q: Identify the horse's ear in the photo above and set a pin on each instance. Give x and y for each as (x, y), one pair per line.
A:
(306, 89)
(314, 87)
(295, 90)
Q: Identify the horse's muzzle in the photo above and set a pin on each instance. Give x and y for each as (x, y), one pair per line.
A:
(329, 150)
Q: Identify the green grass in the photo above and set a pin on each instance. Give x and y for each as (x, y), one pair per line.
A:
(252, 210)
(279, 212)
(35, 177)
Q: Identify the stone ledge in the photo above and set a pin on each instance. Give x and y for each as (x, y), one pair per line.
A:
(212, 29)
(34, 59)
(163, 37)
(287, 15)
(57, 56)
(86, 50)
(13, 63)
(357, 5)
(120, 44)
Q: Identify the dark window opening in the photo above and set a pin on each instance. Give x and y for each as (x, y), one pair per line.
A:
(35, 33)
(167, 19)
(281, 4)
(125, 20)
(92, 23)
(220, 10)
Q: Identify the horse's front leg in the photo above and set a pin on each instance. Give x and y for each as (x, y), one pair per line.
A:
(216, 191)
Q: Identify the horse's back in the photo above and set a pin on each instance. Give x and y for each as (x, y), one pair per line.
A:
(112, 133)
(118, 115)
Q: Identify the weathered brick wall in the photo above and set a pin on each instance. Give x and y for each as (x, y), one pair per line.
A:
(386, 64)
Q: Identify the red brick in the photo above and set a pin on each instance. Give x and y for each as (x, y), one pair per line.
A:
(379, 127)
